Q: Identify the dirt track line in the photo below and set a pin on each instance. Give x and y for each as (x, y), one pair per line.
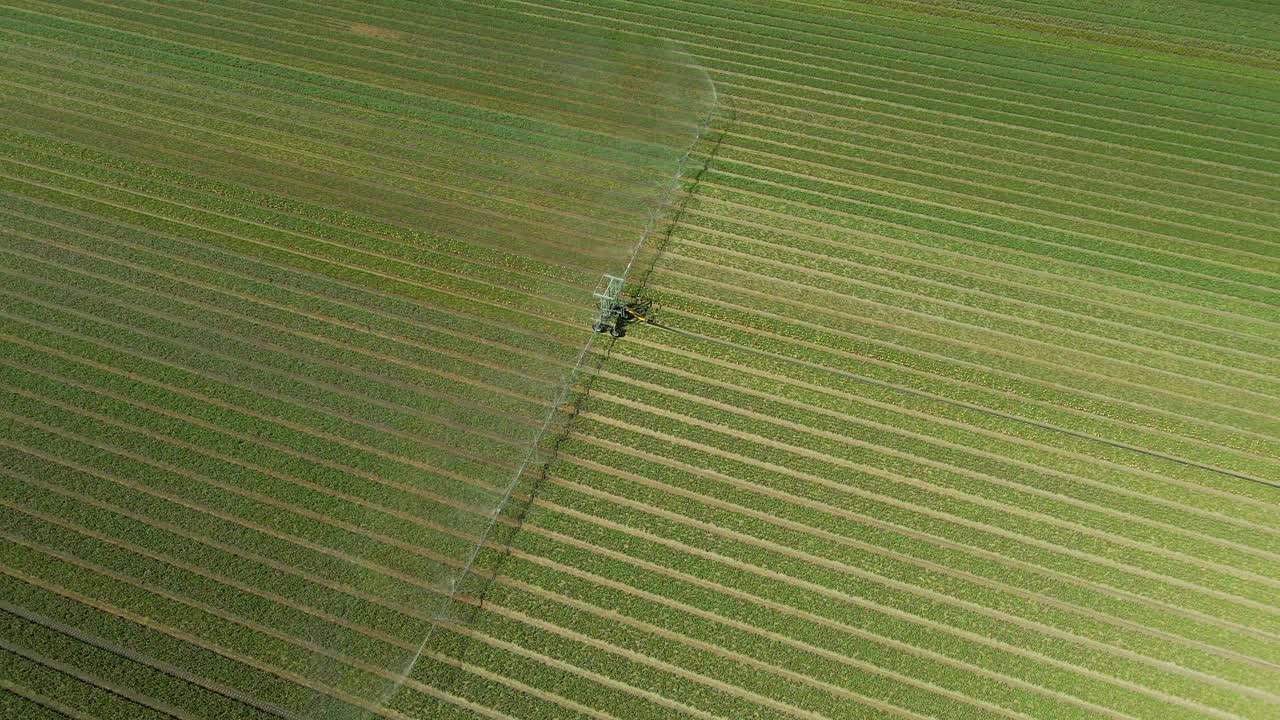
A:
(844, 598)
(693, 39)
(386, 189)
(300, 311)
(951, 383)
(740, 123)
(597, 678)
(282, 329)
(340, 247)
(771, 110)
(371, 477)
(1221, 52)
(691, 232)
(431, 289)
(929, 73)
(278, 268)
(383, 192)
(864, 155)
(848, 439)
(874, 578)
(133, 377)
(749, 661)
(970, 227)
(736, 368)
(242, 659)
(975, 407)
(473, 36)
(980, 98)
(516, 685)
(46, 702)
(181, 532)
(313, 40)
(758, 289)
(393, 640)
(787, 163)
(1062, 475)
(469, 37)
(362, 447)
(828, 32)
(415, 268)
(363, 52)
(1039, 259)
(179, 599)
(668, 668)
(719, 75)
(128, 694)
(293, 540)
(945, 347)
(1117, 591)
(403, 409)
(187, 567)
(1035, 268)
(744, 311)
(181, 636)
(262, 498)
(332, 104)
(222, 379)
(780, 608)
(319, 73)
(965, 497)
(841, 539)
(144, 38)
(376, 78)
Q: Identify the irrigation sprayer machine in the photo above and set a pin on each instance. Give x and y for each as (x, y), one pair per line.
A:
(615, 311)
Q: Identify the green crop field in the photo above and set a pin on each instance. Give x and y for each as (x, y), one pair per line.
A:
(960, 399)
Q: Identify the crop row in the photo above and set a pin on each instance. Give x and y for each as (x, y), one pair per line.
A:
(99, 32)
(1109, 486)
(808, 342)
(899, 113)
(709, 53)
(237, 19)
(974, 457)
(871, 47)
(952, 503)
(374, 272)
(923, 284)
(77, 678)
(1091, 283)
(1207, 394)
(1092, 180)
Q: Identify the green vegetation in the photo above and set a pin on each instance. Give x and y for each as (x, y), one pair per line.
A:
(963, 404)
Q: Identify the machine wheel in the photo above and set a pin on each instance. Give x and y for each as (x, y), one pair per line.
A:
(617, 331)
(598, 327)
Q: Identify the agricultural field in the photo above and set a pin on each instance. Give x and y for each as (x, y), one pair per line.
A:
(960, 399)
